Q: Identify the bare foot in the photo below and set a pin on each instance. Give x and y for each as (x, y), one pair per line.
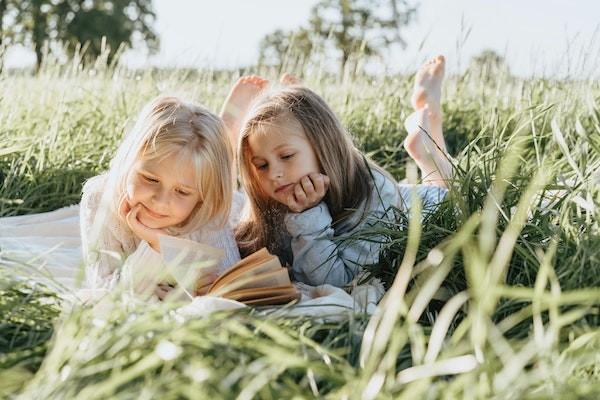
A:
(428, 84)
(238, 103)
(428, 92)
(289, 80)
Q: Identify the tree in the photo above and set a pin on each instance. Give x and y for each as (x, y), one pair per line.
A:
(8, 11)
(118, 22)
(281, 46)
(361, 26)
(86, 22)
(488, 65)
(366, 27)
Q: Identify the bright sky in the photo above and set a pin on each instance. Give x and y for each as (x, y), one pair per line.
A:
(535, 36)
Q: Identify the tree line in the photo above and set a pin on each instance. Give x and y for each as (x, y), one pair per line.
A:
(342, 28)
(339, 29)
(95, 24)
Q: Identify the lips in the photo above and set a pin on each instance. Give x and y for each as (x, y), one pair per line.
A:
(152, 213)
(283, 188)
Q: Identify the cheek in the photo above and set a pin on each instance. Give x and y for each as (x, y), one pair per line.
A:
(137, 191)
(304, 165)
(184, 207)
(314, 164)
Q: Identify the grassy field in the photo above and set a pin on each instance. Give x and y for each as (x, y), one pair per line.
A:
(494, 295)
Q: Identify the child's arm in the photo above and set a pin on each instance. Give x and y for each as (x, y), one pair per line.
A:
(105, 241)
(101, 247)
(317, 257)
(221, 239)
(317, 260)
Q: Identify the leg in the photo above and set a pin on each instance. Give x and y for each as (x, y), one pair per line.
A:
(425, 141)
(238, 102)
(428, 91)
(432, 160)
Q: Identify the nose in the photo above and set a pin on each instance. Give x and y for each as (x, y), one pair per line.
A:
(161, 198)
(275, 171)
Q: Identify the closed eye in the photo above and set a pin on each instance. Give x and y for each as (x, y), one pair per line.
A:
(288, 156)
(149, 179)
(261, 167)
(182, 192)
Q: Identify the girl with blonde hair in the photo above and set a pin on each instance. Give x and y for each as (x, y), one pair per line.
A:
(309, 186)
(171, 175)
(170, 180)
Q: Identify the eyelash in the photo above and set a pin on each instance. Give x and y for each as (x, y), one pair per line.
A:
(286, 157)
(152, 180)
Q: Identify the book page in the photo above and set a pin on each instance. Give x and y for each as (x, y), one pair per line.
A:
(273, 300)
(247, 273)
(257, 293)
(248, 280)
(187, 261)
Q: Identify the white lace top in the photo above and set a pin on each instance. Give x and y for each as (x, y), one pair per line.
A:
(108, 242)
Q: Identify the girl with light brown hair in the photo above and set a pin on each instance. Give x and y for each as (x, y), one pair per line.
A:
(309, 187)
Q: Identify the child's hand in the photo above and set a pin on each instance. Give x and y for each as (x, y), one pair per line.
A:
(143, 232)
(308, 192)
(124, 207)
(162, 290)
(204, 283)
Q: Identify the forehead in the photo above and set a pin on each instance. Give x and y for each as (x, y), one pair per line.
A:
(281, 131)
(176, 167)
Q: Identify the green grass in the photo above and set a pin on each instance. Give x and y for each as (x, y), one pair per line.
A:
(494, 295)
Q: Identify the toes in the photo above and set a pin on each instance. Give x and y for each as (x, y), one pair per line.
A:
(262, 82)
(254, 80)
(289, 79)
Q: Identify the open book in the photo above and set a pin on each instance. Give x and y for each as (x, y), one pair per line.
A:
(258, 279)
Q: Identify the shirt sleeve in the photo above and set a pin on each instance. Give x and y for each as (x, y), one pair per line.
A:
(321, 256)
(142, 271)
(318, 259)
(221, 239)
(431, 196)
(102, 251)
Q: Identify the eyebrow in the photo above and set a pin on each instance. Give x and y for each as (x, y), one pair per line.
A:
(281, 145)
(274, 149)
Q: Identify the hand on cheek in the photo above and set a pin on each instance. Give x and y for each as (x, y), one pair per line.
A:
(308, 192)
(124, 207)
(143, 232)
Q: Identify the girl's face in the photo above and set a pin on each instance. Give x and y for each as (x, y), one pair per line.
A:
(165, 188)
(281, 155)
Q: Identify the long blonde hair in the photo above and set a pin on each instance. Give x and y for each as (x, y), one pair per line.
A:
(167, 125)
(347, 168)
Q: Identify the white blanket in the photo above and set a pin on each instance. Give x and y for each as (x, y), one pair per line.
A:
(50, 242)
